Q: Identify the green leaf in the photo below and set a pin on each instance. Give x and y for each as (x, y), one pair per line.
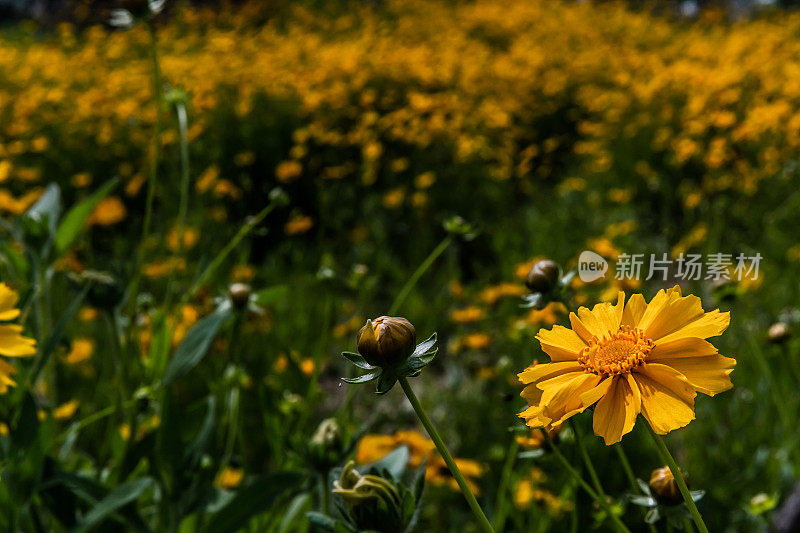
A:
(394, 462)
(24, 432)
(292, 517)
(425, 346)
(358, 360)
(15, 260)
(203, 439)
(195, 346)
(363, 379)
(160, 342)
(50, 345)
(387, 380)
(252, 500)
(113, 501)
(272, 295)
(75, 219)
(325, 522)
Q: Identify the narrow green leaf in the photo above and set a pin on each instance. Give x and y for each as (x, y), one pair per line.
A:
(272, 295)
(363, 379)
(358, 360)
(113, 501)
(75, 219)
(160, 341)
(50, 345)
(195, 346)
(252, 500)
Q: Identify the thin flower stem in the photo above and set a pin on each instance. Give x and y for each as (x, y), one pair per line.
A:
(500, 512)
(602, 501)
(588, 461)
(626, 466)
(483, 522)
(158, 94)
(666, 456)
(425, 265)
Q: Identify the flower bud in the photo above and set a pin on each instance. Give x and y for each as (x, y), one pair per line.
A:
(387, 340)
(373, 502)
(779, 333)
(239, 294)
(327, 445)
(543, 277)
(664, 487)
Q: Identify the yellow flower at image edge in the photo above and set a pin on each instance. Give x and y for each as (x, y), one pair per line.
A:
(12, 343)
(629, 359)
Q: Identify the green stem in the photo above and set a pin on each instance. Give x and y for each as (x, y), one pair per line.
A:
(602, 501)
(778, 397)
(483, 522)
(425, 265)
(241, 234)
(133, 292)
(183, 205)
(663, 451)
(502, 491)
(587, 461)
(626, 466)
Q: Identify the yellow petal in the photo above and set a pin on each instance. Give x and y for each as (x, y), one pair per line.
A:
(579, 327)
(564, 395)
(634, 310)
(547, 370)
(13, 344)
(709, 375)
(6, 371)
(667, 397)
(678, 312)
(592, 395)
(616, 412)
(708, 325)
(560, 343)
(681, 348)
(8, 300)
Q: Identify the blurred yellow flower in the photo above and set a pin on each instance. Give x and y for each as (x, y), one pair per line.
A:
(229, 478)
(109, 211)
(298, 224)
(82, 349)
(12, 342)
(467, 314)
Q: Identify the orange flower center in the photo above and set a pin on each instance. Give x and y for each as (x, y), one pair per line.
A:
(616, 354)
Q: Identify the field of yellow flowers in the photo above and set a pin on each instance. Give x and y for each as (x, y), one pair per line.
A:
(202, 210)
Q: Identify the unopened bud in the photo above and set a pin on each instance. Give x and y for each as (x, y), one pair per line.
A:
(386, 340)
(543, 277)
(240, 294)
(664, 487)
(779, 333)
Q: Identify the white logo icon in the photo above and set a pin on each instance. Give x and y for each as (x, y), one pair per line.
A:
(591, 266)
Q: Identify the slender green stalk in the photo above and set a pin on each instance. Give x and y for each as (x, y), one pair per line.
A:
(412, 281)
(626, 466)
(500, 505)
(158, 95)
(663, 451)
(587, 461)
(233, 243)
(778, 397)
(325, 492)
(602, 501)
(183, 205)
(483, 522)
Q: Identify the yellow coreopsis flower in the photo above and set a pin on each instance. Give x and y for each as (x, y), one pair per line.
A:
(629, 359)
(12, 342)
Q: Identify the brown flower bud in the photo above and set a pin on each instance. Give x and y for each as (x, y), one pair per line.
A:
(779, 333)
(543, 276)
(664, 487)
(240, 294)
(386, 340)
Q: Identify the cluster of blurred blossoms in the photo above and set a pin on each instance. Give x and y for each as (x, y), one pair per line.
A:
(705, 105)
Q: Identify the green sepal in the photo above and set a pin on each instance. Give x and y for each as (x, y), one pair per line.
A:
(422, 355)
